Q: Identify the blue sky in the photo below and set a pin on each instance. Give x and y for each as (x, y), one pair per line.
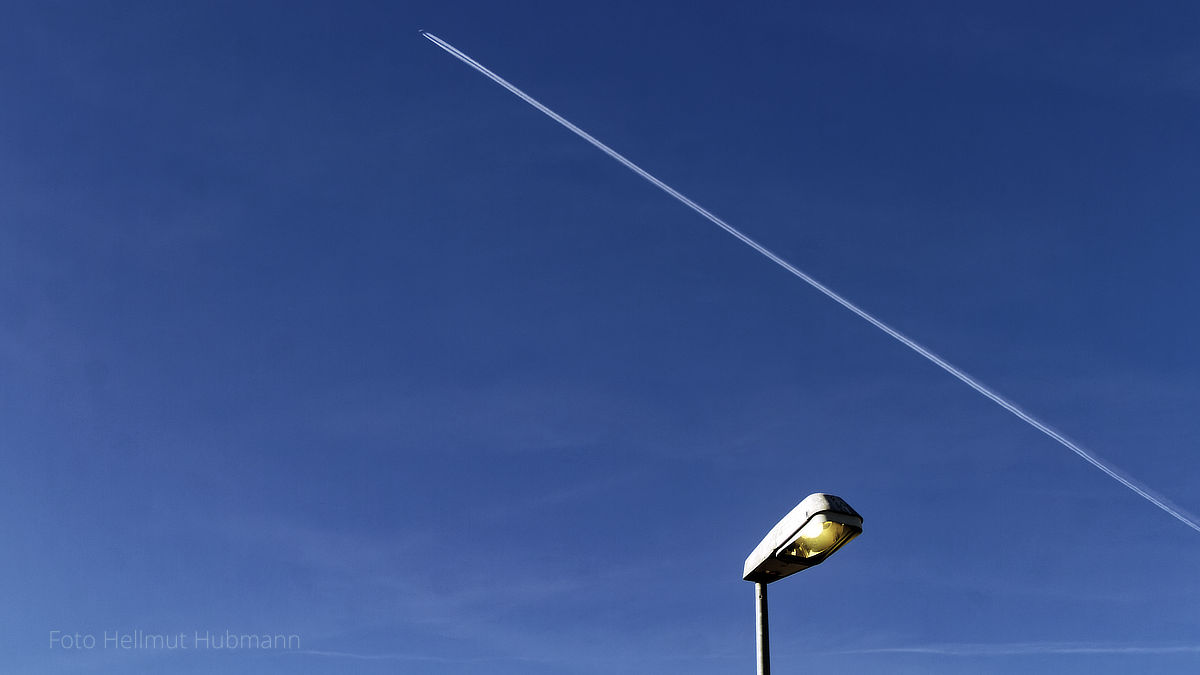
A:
(307, 328)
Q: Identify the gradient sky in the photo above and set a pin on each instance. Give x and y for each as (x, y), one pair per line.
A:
(307, 328)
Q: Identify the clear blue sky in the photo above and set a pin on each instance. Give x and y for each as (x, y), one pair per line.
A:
(307, 328)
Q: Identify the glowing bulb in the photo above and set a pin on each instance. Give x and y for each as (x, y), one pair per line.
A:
(814, 529)
(818, 537)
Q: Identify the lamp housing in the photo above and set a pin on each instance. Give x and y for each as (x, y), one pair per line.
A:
(806, 536)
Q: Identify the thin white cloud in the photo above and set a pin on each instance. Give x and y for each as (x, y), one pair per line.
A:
(403, 657)
(1029, 649)
(483, 659)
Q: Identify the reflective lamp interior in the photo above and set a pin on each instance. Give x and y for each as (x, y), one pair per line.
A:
(819, 537)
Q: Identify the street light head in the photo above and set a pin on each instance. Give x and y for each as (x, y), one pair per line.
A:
(818, 526)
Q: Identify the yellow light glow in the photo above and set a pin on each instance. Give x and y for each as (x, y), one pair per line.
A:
(818, 537)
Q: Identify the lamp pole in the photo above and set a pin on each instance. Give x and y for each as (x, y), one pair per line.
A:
(760, 622)
(806, 536)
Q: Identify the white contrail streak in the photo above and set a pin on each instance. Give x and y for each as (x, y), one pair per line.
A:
(971, 382)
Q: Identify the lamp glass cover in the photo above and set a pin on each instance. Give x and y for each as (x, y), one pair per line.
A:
(819, 537)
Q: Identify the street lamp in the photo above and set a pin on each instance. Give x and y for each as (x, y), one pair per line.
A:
(810, 533)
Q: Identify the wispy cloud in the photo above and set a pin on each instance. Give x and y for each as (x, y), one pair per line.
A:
(363, 584)
(403, 657)
(1028, 649)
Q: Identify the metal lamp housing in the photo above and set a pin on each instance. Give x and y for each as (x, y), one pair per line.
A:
(810, 533)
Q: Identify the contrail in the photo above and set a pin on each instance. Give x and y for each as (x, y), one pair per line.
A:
(971, 382)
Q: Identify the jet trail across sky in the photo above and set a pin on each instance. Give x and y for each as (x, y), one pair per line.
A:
(971, 382)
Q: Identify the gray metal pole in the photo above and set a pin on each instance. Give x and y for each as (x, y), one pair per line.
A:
(760, 620)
